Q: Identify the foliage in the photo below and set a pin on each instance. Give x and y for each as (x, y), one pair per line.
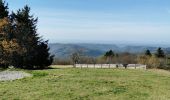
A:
(109, 56)
(3, 9)
(36, 52)
(127, 58)
(4, 42)
(3, 26)
(148, 53)
(20, 44)
(75, 58)
(42, 59)
(9, 48)
(160, 53)
(101, 60)
(142, 59)
(64, 61)
(151, 62)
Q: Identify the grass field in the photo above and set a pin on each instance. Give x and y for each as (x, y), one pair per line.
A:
(89, 84)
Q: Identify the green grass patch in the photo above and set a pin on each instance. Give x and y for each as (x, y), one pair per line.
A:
(39, 74)
(89, 84)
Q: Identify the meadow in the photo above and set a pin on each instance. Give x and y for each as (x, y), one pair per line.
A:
(66, 83)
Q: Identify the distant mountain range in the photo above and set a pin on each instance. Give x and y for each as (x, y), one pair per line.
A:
(65, 50)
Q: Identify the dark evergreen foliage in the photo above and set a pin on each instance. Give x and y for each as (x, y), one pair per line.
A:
(160, 53)
(27, 49)
(25, 33)
(35, 52)
(148, 53)
(43, 58)
(109, 54)
(3, 9)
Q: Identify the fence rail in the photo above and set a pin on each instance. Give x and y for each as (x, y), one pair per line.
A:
(129, 66)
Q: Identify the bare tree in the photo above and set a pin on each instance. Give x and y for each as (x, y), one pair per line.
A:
(94, 61)
(75, 58)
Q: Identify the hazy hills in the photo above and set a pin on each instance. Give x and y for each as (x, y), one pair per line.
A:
(65, 50)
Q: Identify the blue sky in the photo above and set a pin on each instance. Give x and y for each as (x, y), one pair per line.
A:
(101, 21)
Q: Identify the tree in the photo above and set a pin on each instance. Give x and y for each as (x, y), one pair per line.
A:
(8, 45)
(9, 49)
(75, 58)
(4, 25)
(151, 62)
(20, 44)
(143, 59)
(26, 35)
(42, 59)
(101, 60)
(34, 49)
(3, 9)
(160, 53)
(94, 61)
(109, 56)
(148, 53)
(127, 58)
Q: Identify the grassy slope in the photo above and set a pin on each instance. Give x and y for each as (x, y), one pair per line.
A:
(94, 84)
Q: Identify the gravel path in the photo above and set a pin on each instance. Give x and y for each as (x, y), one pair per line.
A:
(12, 75)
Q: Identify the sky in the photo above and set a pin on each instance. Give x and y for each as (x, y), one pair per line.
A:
(101, 21)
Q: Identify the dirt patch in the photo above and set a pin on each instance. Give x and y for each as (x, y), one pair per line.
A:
(12, 75)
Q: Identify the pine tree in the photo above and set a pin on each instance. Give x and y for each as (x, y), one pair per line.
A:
(160, 53)
(3, 9)
(109, 55)
(34, 49)
(42, 59)
(148, 53)
(26, 35)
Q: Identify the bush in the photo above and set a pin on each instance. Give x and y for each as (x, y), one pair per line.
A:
(150, 61)
(58, 61)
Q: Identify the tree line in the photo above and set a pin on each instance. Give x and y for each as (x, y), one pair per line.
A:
(20, 44)
(154, 60)
(157, 59)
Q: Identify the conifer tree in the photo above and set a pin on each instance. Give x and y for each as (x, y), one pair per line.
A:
(35, 52)
(160, 53)
(25, 33)
(3, 9)
(148, 53)
(109, 55)
(43, 58)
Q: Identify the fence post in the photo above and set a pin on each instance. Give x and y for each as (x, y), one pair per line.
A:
(145, 67)
(135, 66)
